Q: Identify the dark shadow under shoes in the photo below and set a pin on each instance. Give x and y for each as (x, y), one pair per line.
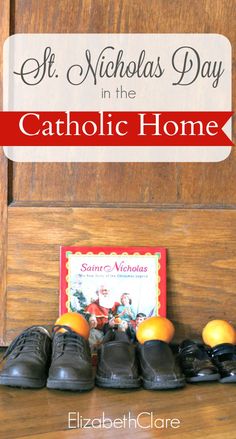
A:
(196, 364)
(224, 358)
(71, 367)
(117, 364)
(27, 359)
(159, 367)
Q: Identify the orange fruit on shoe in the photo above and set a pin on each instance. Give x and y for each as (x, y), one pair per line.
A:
(76, 322)
(217, 332)
(155, 328)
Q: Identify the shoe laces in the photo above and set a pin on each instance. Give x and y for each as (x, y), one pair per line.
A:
(68, 341)
(29, 340)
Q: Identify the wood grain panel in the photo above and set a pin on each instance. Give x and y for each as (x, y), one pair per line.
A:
(201, 259)
(94, 183)
(4, 32)
(90, 183)
(107, 183)
(214, 182)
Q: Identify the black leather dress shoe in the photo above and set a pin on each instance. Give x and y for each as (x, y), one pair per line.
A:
(71, 367)
(196, 364)
(224, 357)
(117, 364)
(159, 367)
(27, 359)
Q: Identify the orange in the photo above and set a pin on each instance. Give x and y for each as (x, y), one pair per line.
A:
(217, 332)
(76, 322)
(155, 328)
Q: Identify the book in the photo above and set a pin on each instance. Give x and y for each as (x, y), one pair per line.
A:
(122, 285)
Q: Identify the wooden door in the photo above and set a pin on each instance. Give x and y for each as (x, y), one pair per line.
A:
(189, 208)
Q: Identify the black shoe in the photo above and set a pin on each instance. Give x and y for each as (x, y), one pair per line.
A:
(117, 364)
(71, 367)
(159, 367)
(196, 364)
(224, 357)
(27, 359)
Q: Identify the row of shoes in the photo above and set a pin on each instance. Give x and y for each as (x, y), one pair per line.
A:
(63, 361)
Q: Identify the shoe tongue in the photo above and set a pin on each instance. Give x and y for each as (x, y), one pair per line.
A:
(40, 329)
(25, 333)
(121, 336)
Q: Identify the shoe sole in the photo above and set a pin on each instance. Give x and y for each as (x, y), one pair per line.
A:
(152, 385)
(70, 385)
(230, 379)
(22, 382)
(203, 379)
(118, 384)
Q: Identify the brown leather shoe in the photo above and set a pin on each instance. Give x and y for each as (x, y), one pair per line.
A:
(117, 364)
(71, 367)
(159, 368)
(26, 361)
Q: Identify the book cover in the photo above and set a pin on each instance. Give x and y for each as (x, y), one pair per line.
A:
(104, 283)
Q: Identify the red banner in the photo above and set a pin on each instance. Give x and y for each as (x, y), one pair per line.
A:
(137, 128)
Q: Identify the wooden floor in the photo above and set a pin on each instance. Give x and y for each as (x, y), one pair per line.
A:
(204, 410)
